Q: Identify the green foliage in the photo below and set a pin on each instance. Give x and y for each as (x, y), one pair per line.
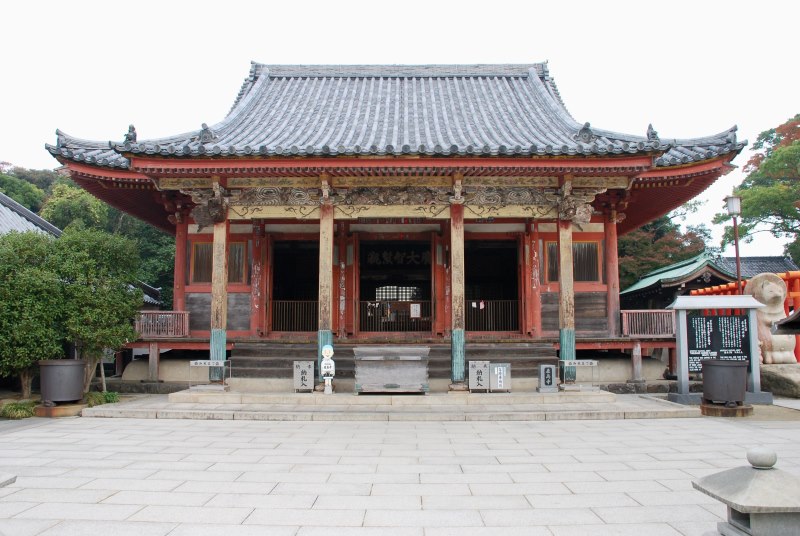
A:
(44, 179)
(31, 315)
(77, 288)
(771, 191)
(23, 192)
(18, 410)
(156, 248)
(68, 205)
(657, 244)
(96, 269)
(98, 398)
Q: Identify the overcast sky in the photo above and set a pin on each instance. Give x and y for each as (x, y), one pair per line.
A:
(691, 68)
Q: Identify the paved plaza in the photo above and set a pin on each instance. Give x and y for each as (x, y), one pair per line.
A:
(155, 477)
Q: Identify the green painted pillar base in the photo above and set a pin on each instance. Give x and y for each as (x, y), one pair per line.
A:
(457, 360)
(324, 336)
(566, 341)
(218, 353)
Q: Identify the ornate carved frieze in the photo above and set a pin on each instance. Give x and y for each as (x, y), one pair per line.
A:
(273, 196)
(211, 205)
(424, 202)
(393, 196)
(575, 205)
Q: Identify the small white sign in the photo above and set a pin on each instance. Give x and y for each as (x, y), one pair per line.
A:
(207, 363)
(416, 310)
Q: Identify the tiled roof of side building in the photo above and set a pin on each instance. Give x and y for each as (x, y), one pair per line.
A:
(396, 110)
(15, 217)
(752, 266)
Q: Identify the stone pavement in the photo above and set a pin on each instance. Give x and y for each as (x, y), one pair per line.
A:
(153, 477)
(431, 407)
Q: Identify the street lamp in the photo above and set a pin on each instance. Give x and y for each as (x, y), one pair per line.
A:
(734, 205)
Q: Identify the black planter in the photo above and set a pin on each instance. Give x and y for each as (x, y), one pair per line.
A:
(724, 381)
(62, 379)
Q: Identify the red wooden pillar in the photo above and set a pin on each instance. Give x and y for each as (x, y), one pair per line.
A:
(352, 282)
(267, 277)
(535, 280)
(524, 253)
(440, 297)
(257, 281)
(340, 273)
(612, 273)
(179, 280)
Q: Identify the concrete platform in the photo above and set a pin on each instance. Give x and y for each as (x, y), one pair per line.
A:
(431, 407)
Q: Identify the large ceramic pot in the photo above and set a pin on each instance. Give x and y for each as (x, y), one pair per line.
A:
(61, 380)
(724, 381)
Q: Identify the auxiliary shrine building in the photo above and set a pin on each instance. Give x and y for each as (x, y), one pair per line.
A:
(437, 204)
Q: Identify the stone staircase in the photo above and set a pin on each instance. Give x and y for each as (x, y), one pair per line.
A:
(275, 359)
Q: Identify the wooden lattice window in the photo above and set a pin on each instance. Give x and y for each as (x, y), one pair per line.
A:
(585, 261)
(201, 262)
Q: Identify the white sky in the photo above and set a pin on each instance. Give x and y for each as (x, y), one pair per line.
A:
(692, 68)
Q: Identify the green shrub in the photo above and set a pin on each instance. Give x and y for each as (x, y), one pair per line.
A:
(97, 398)
(18, 410)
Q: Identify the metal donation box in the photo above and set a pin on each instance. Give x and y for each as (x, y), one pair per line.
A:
(500, 377)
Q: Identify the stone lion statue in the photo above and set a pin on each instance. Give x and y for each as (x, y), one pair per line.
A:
(770, 290)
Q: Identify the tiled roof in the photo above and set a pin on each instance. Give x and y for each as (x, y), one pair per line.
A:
(752, 266)
(395, 110)
(678, 272)
(723, 266)
(15, 217)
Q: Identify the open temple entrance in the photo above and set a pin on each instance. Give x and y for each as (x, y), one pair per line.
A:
(395, 286)
(295, 285)
(491, 287)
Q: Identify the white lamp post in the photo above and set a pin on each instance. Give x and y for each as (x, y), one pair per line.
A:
(734, 205)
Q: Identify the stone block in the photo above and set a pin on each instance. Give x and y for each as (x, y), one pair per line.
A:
(781, 380)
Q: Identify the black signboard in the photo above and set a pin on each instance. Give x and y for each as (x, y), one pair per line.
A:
(717, 337)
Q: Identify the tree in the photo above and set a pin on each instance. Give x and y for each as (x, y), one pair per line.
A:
(44, 179)
(96, 270)
(771, 191)
(68, 204)
(23, 192)
(30, 317)
(656, 244)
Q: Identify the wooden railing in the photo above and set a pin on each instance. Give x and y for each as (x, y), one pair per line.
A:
(491, 315)
(162, 324)
(646, 323)
(382, 316)
(294, 315)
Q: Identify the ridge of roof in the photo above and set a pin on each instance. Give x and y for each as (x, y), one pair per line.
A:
(31, 217)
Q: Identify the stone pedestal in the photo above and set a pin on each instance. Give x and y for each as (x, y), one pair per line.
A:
(781, 380)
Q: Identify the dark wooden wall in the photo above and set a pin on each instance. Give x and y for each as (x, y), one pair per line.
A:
(199, 307)
(591, 312)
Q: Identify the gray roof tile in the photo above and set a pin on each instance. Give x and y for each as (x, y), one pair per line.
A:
(392, 110)
(15, 217)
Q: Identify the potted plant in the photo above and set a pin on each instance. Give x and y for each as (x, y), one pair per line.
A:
(30, 327)
(96, 270)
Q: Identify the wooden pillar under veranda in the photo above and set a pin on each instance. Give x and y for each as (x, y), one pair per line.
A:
(325, 298)
(219, 298)
(612, 273)
(457, 360)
